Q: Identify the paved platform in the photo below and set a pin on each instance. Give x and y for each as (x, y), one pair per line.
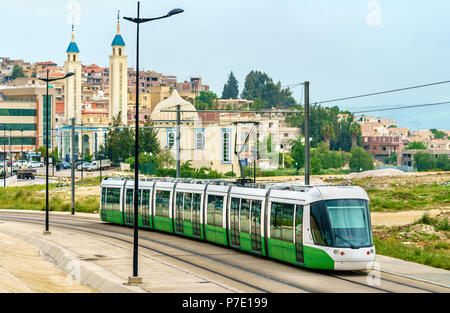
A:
(24, 270)
(105, 264)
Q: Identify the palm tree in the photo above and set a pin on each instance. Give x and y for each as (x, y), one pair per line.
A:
(355, 131)
(327, 131)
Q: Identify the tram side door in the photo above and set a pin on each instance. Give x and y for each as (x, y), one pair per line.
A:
(234, 222)
(129, 207)
(196, 214)
(256, 225)
(299, 233)
(179, 213)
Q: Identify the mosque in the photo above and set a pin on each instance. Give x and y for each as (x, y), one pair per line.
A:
(207, 139)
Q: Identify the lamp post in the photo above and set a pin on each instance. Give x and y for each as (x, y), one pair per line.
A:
(4, 156)
(48, 108)
(151, 164)
(21, 150)
(135, 279)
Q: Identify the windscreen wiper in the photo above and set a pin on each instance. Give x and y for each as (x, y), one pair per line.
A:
(346, 240)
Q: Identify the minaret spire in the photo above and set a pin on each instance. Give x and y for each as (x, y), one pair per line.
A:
(73, 32)
(118, 22)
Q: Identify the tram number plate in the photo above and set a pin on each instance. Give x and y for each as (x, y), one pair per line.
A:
(246, 302)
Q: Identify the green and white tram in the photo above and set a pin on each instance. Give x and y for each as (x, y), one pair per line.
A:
(323, 227)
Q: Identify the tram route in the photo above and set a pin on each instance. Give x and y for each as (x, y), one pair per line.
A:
(336, 276)
(33, 221)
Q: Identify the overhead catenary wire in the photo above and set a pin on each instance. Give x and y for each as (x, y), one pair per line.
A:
(403, 107)
(383, 92)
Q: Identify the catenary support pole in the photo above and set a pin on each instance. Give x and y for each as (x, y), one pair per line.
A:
(73, 164)
(307, 133)
(178, 137)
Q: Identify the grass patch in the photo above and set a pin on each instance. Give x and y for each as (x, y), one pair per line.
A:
(395, 197)
(435, 254)
(33, 198)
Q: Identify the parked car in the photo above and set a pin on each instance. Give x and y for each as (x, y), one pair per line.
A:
(20, 163)
(83, 164)
(65, 165)
(35, 164)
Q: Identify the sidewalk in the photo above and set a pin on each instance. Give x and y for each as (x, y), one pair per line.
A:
(22, 269)
(105, 265)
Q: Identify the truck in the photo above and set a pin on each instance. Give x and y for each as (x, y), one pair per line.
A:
(95, 165)
(28, 173)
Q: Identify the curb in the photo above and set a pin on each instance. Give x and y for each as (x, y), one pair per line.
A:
(87, 273)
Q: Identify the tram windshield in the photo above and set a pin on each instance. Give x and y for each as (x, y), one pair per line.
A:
(341, 223)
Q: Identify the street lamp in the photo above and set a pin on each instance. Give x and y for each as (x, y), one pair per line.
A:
(136, 279)
(47, 80)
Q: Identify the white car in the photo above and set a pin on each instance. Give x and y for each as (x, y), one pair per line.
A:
(20, 163)
(35, 164)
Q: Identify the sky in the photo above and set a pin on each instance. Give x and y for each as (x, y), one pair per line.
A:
(343, 48)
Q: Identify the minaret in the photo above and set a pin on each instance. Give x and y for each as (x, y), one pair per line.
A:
(72, 100)
(118, 77)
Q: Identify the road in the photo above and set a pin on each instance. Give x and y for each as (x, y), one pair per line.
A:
(238, 270)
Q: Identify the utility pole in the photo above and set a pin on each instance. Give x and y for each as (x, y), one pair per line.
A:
(178, 142)
(73, 165)
(307, 133)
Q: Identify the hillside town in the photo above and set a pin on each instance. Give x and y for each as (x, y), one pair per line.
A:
(95, 95)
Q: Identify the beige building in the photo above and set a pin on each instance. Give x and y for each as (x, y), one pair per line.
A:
(210, 139)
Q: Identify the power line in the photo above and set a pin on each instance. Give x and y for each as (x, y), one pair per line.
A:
(383, 92)
(404, 107)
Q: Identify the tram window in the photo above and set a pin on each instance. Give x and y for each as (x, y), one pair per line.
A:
(299, 219)
(103, 198)
(215, 209)
(113, 199)
(245, 216)
(146, 200)
(218, 211)
(275, 220)
(211, 209)
(129, 199)
(288, 222)
(320, 225)
(187, 206)
(196, 203)
(162, 203)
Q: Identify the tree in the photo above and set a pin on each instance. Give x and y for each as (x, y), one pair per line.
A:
(327, 131)
(206, 101)
(119, 142)
(148, 139)
(316, 166)
(165, 159)
(360, 160)
(17, 72)
(231, 88)
(424, 161)
(355, 131)
(438, 134)
(298, 152)
(416, 145)
(260, 87)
